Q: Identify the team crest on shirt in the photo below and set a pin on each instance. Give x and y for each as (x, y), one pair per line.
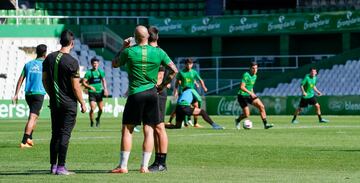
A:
(35, 69)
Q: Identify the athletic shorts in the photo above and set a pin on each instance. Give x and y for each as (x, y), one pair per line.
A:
(96, 97)
(182, 111)
(142, 107)
(162, 105)
(35, 103)
(304, 102)
(245, 100)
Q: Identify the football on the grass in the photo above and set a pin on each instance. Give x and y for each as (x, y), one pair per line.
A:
(247, 124)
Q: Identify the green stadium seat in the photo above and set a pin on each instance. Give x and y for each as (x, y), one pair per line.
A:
(182, 13)
(182, 6)
(236, 12)
(133, 6)
(39, 21)
(3, 12)
(245, 12)
(154, 6)
(144, 6)
(164, 6)
(227, 12)
(255, 12)
(123, 6)
(172, 6)
(161, 14)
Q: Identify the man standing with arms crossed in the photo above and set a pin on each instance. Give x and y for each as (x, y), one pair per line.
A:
(160, 136)
(143, 62)
(61, 80)
(94, 81)
(34, 92)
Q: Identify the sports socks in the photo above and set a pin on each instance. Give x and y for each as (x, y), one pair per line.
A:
(124, 157)
(145, 159)
(319, 116)
(264, 121)
(25, 137)
(294, 118)
(160, 158)
(206, 117)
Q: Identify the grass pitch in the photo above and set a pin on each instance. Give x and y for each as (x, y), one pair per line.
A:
(305, 152)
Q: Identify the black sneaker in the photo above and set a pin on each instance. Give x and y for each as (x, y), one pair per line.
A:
(267, 126)
(97, 122)
(157, 168)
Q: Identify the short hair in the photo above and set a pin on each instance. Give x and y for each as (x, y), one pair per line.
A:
(312, 68)
(188, 60)
(153, 33)
(253, 64)
(66, 37)
(94, 59)
(41, 50)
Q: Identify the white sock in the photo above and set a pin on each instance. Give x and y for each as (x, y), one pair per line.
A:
(145, 159)
(124, 157)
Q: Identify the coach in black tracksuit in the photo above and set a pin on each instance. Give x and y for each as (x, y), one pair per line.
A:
(62, 82)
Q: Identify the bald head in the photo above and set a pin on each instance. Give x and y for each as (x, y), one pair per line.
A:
(141, 34)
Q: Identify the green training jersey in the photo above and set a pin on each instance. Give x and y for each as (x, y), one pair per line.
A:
(309, 83)
(188, 78)
(94, 77)
(249, 81)
(143, 62)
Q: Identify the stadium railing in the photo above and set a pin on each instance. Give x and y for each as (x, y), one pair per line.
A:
(54, 19)
(219, 70)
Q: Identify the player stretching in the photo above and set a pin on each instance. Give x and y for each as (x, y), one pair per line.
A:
(308, 86)
(184, 108)
(246, 96)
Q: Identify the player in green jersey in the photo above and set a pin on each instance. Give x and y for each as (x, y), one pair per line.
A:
(143, 62)
(308, 89)
(94, 81)
(247, 96)
(187, 78)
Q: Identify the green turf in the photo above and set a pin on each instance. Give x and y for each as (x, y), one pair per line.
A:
(306, 152)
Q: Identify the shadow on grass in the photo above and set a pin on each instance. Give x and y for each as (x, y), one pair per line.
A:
(340, 150)
(44, 172)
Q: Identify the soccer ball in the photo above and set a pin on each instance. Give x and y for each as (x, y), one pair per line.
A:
(247, 124)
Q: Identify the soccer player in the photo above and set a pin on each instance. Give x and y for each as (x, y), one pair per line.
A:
(34, 93)
(94, 81)
(187, 78)
(308, 86)
(183, 108)
(143, 62)
(160, 135)
(61, 80)
(246, 95)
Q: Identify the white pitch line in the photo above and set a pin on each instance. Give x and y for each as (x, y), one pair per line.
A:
(216, 133)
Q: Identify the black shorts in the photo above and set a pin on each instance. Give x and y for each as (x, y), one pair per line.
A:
(142, 107)
(304, 102)
(96, 97)
(245, 100)
(162, 105)
(182, 111)
(35, 103)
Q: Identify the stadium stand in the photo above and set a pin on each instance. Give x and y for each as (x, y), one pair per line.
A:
(122, 8)
(340, 80)
(14, 57)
